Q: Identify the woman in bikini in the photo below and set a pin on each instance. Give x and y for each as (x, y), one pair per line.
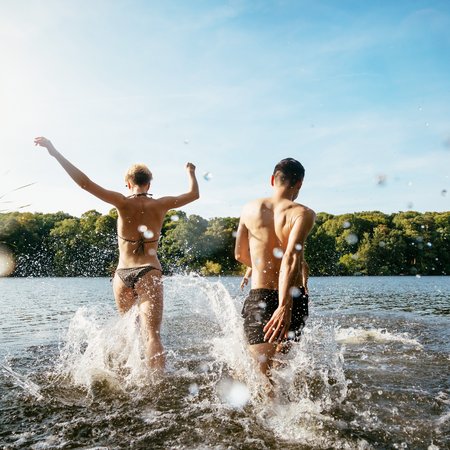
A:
(138, 277)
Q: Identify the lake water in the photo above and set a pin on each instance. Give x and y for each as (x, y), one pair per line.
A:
(372, 369)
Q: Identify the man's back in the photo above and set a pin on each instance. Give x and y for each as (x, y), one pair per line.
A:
(269, 222)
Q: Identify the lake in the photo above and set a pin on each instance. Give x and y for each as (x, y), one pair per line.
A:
(372, 369)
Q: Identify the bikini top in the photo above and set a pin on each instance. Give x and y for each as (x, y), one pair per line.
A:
(140, 249)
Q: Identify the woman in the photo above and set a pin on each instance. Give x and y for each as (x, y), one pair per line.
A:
(138, 277)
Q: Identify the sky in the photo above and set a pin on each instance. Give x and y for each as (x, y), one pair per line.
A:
(359, 92)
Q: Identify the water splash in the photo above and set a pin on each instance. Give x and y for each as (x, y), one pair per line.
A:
(22, 381)
(309, 381)
(90, 356)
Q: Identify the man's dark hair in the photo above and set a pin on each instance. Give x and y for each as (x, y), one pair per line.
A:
(289, 170)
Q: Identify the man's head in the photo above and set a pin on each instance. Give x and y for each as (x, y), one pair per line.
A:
(289, 173)
(138, 175)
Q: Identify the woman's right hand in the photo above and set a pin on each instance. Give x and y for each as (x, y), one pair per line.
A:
(46, 143)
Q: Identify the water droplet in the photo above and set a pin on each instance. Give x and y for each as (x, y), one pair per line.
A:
(148, 234)
(235, 393)
(7, 261)
(410, 183)
(419, 108)
(427, 124)
(262, 305)
(207, 176)
(381, 180)
(352, 238)
(291, 335)
(193, 389)
(429, 244)
(234, 234)
(204, 367)
(298, 247)
(186, 141)
(295, 292)
(262, 358)
(410, 205)
(380, 392)
(277, 252)
(174, 218)
(152, 252)
(418, 276)
(346, 224)
(142, 228)
(444, 192)
(382, 244)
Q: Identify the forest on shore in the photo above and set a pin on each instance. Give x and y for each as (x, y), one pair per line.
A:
(363, 243)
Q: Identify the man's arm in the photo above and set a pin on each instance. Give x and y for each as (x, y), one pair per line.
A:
(242, 246)
(188, 197)
(305, 275)
(292, 264)
(114, 198)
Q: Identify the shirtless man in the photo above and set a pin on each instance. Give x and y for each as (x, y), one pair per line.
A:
(271, 239)
(138, 276)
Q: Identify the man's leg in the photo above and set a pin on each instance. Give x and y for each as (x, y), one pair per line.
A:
(150, 294)
(124, 296)
(263, 355)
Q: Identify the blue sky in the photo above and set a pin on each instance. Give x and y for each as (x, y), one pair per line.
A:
(357, 91)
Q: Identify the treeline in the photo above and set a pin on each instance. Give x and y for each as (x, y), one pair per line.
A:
(366, 243)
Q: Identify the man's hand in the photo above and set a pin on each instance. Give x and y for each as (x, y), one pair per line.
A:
(244, 283)
(277, 327)
(44, 142)
(190, 168)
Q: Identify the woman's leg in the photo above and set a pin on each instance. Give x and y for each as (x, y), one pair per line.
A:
(125, 297)
(150, 294)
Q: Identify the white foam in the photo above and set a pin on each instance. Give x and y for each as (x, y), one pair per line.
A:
(360, 335)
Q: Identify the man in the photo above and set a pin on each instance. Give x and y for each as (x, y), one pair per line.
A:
(138, 277)
(271, 240)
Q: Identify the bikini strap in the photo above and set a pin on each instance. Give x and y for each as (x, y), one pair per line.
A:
(140, 249)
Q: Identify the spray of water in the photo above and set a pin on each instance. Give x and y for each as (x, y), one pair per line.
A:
(308, 382)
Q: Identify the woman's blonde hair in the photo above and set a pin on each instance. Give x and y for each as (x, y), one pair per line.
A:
(139, 175)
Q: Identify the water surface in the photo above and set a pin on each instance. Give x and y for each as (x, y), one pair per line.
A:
(372, 369)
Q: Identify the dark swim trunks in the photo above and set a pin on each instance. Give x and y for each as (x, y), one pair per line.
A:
(259, 307)
(132, 275)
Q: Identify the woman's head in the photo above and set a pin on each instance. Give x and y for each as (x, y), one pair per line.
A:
(138, 175)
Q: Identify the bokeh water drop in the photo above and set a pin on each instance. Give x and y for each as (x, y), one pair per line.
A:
(193, 389)
(7, 261)
(148, 234)
(235, 393)
(278, 253)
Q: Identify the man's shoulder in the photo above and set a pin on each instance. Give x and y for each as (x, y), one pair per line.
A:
(298, 210)
(256, 203)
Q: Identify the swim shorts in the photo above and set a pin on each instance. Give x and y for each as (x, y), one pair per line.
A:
(259, 307)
